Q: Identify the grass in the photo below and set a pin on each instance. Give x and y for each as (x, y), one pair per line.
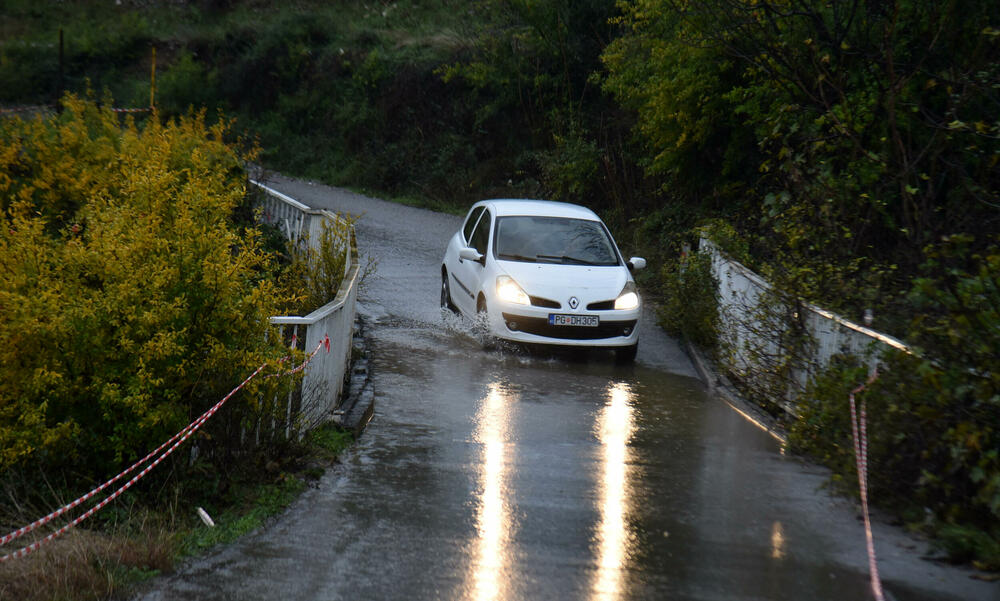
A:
(250, 509)
(250, 504)
(87, 564)
(132, 543)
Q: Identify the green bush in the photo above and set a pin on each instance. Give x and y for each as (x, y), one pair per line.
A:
(185, 84)
(823, 428)
(934, 416)
(762, 116)
(932, 452)
(314, 272)
(690, 304)
(131, 303)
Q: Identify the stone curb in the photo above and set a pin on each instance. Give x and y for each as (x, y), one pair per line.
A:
(358, 405)
(720, 386)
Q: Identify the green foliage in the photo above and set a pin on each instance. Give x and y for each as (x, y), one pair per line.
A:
(408, 98)
(530, 80)
(659, 236)
(823, 427)
(186, 84)
(246, 511)
(932, 450)
(690, 305)
(131, 303)
(934, 417)
(724, 235)
(678, 89)
(316, 270)
(102, 42)
(569, 169)
(958, 327)
(330, 440)
(841, 139)
(967, 544)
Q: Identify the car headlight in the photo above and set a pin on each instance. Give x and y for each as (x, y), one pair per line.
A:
(628, 299)
(509, 291)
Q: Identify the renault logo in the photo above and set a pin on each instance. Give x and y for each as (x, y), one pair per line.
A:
(574, 302)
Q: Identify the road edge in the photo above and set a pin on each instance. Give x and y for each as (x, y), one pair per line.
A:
(358, 406)
(719, 386)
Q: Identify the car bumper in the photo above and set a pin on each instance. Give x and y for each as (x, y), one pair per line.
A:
(531, 325)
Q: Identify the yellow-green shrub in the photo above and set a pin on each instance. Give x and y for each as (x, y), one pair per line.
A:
(129, 301)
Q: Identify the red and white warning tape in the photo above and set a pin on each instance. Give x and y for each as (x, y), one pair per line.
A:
(860, 430)
(176, 441)
(323, 343)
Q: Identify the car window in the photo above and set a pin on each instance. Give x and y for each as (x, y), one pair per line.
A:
(471, 223)
(554, 240)
(481, 235)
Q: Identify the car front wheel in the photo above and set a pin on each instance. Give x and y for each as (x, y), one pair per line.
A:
(446, 294)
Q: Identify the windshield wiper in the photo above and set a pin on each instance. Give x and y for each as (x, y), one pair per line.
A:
(517, 257)
(568, 259)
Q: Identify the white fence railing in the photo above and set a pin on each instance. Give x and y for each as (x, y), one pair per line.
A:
(741, 294)
(323, 381)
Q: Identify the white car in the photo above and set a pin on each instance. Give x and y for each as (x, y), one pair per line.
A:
(543, 272)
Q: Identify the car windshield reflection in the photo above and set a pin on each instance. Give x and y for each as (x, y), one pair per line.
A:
(554, 240)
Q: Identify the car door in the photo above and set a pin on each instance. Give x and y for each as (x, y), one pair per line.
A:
(468, 275)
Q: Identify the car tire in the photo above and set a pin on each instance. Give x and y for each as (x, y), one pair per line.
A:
(626, 354)
(446, 302)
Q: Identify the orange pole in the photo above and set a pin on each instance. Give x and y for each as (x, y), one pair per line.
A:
(152, 81)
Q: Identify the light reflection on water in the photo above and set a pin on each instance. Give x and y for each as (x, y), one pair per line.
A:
(777, 541)
(495, 525)
(493, 519)
(615, 427)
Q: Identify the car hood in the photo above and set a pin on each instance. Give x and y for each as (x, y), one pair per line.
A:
(559, 282)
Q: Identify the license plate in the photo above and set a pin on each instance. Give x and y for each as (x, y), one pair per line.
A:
(587, 321)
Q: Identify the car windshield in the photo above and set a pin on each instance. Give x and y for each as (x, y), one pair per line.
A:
(554, 240)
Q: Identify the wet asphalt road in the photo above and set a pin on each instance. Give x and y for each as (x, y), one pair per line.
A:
(501, 474)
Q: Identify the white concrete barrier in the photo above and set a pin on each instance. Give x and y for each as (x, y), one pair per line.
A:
(324, 377)
(741, 294)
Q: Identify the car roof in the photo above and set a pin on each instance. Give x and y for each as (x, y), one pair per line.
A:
(507, 207)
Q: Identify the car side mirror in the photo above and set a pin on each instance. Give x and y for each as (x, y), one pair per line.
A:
(470, 254)
(636, 263)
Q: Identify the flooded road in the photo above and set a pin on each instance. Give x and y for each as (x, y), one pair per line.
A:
(501, 474)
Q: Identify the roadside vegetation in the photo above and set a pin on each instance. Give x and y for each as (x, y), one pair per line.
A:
(849, 152)
(136, 289)
(137, 538)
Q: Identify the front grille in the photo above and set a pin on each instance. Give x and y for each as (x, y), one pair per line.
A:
(540, 326)
(537, 301)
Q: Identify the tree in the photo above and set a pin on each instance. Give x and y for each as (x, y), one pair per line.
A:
(869, 127)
